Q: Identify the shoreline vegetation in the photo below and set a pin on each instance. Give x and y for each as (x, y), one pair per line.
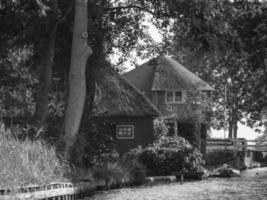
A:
(35, 162)
(31, 164)
(25, 162)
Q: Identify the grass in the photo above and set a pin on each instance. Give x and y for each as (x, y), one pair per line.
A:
(27, 162)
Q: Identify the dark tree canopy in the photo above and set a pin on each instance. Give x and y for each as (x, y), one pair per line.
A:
(220, 40)
(216, 39)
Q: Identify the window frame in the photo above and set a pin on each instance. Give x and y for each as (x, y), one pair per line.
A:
(125, 126)
(173, 97)
(167, 96)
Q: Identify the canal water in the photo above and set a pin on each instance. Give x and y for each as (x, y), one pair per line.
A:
(251, 185)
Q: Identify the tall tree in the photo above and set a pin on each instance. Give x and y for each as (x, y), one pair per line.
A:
(77, 79)
(224, 39)
(46, 62)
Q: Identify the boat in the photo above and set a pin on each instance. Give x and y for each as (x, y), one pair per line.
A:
(225, 171)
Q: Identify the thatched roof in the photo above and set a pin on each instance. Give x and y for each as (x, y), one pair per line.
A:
(115, 96)
(164, 73)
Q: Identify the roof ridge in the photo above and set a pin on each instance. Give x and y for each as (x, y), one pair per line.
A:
(184, 74)
(165, 74)
(187, 70)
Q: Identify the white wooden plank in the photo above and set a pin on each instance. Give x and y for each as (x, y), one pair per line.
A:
(45, 194)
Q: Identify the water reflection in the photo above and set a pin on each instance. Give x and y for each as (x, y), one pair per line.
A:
(251, 185)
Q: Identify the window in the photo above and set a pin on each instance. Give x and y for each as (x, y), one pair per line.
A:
(169, 96)
(174, 97)
(125, 131)
(178, 96)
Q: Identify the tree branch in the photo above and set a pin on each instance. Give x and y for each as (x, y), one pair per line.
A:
(63, 17)
(130, 7)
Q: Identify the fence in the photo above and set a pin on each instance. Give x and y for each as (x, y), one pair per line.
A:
(225, 145)
(53, 191)
(236, 145)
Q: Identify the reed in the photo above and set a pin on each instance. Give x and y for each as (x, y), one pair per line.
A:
(24, 162)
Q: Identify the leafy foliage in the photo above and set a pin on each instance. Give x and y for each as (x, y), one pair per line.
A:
(116, 170)
(92, 142)
(17, 84)
(160, 128)
(113, 27)
(108, 168)
(217, 39)
(168, 155)
(221, 39)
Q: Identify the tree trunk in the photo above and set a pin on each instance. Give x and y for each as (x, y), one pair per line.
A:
(235, 125)
(47, 57)
(235, 129)
(230, 124)
(77, 79)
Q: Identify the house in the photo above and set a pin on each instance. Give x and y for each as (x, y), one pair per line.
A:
(132, 114)
(175, 91)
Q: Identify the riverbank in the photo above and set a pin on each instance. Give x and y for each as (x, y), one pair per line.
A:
(63, 189)
(90, 189)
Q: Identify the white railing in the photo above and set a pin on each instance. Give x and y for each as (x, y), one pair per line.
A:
(53, 191)
(236, 145)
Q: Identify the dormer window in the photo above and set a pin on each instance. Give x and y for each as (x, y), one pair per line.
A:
(169, 95)
(174, 97)
(178, 96)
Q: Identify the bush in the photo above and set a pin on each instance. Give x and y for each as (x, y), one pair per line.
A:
(27, 162)
(96, 138)
(116, 170)
(170, 154)
(160, 129)
(130, 162)
(109, 168)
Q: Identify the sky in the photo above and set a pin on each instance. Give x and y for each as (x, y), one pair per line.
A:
(242, 132)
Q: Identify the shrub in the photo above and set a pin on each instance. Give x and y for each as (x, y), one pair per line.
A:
(160, 129)
(94, 140)
(116, 170)
(130, 162)
(28, 162)
(109, 169)
(170, 154)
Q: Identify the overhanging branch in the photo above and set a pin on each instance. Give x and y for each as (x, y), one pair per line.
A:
(63, 17)
(131, 7)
